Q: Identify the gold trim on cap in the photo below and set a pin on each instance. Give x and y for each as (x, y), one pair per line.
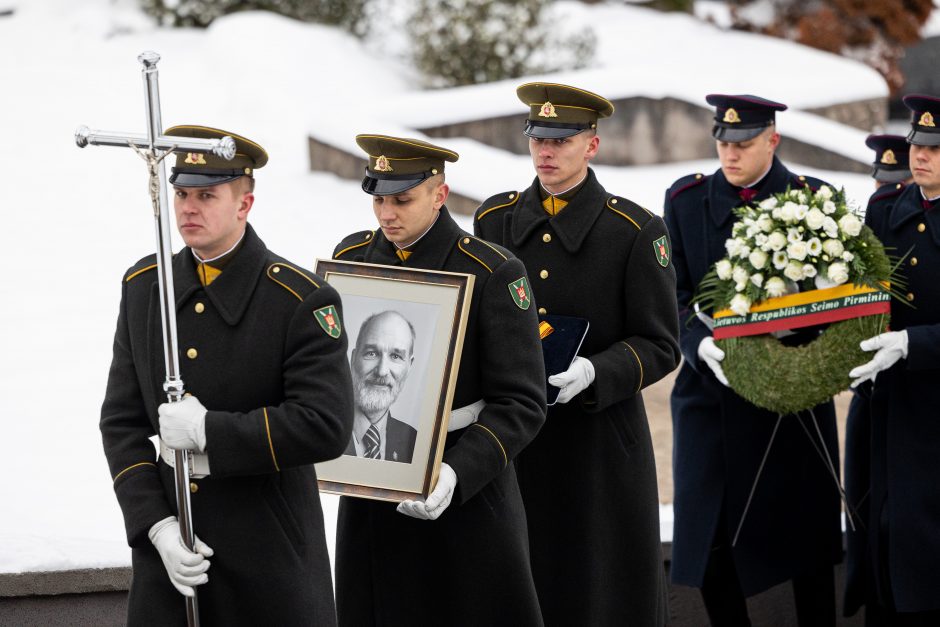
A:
(888, 157)
(731, 116)
(926, 119)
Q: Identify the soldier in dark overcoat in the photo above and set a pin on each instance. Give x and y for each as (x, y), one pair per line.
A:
(589, 478)
(792, 527)
(891, 173)
(263, 355)
(904, 513)
(461, 557)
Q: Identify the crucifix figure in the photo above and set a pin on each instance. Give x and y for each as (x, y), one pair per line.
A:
(153, 147)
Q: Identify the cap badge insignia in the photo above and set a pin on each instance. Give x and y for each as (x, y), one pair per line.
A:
(661, 248)
(381, 164)
(547, 111)
(731, 116)
(329, 321)
(926, 119)
(888, 158)
(195, 158)
(520, 293)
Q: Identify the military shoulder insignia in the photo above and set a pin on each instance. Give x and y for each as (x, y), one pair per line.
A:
(494, 203)
(195, 158)
(381, 164)
(547, 111)
(352, 242)
(926, 119)
(686, 182)
(661, 249)
(731, 116)
(888, 157)
(329, 321)
(482, 252)
(295, 281)
(520, 293)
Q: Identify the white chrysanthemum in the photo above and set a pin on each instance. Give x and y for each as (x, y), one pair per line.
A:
(780, 259)
(724, 269)
(740, 304)
(830, 227)
(775, 287)
(838, 273)
(850, 225)
(794, 271)
(757, 279)
(814, 246)
(777, 240)
(797, 251)
(809, 270)
(833, 248)
(768, 203)
(829, 207)
(758, 259)
(815, 219)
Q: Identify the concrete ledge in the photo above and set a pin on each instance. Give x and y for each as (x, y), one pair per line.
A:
(82, 581)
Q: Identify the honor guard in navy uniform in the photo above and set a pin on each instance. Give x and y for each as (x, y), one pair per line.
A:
(263, 357)
(904, 504)
(891, 172)
(589, 478)
(461, 557)
(792, 528)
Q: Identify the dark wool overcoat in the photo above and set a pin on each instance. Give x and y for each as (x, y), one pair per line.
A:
(719, 439)
(278, 391)
(904, 523)
(589, 478)
(470, 566)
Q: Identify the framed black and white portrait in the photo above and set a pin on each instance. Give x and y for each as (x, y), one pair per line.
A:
(405, 329)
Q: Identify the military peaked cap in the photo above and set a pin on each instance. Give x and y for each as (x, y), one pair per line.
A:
(892, 158)
(742, 117)
(397, 164)
(557, 111)
(197, 169)
(925, 112)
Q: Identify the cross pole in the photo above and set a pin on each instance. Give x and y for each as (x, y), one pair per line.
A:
(154, 147)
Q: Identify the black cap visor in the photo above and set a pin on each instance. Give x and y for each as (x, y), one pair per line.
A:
(540, 130)
(203, 179)
(737, 133)
(379, 184)
(924, 138)
(884, 175)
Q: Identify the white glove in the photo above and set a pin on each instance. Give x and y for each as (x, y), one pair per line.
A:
(891, 347)
(465, 416)
(183, 424)
(709, 352)
(185, 568)
(576, 378)
(437, 500)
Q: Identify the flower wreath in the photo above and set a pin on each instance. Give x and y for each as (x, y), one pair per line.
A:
(795, 242)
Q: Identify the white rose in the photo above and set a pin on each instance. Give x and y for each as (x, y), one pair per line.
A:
(794, 271)
(788, 211)
(801, 211)
(847, 256)
(830, 227)
(740, 304)
(824, 192)
(758, 259)
(724, 269)
(761, 240)
(850, 225)
(838, 273)
(744, 251)
(829, 207)
(797, 251)
(777, 240)
(809, 270)
(781, 260)
(757, 279)
(765, 223)
(794, 235)
(775, 287)
(833, 248)
(740, 277)
(776, 213)
(733, 246)
(814, 246)
(768, 203)
(815, 218)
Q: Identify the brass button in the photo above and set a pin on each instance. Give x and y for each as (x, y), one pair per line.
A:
(910, 296)
(368, 235)
(898, 186)
(547, 238)
(466, 240)
(193, 488)
(542, 311)
(187, 394)
(276, 269)
(192, 353)
(248, 171)
(698, 176)
(921, 227)
(511, 196)
(544, 274)
(433, 170)
(913, 261)
(613, 201)
(802, 178)
(199, 308)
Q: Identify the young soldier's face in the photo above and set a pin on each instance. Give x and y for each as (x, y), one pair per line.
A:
(406, 216)
(925, 166)
(561, 163)
(212, 219)
(744, 162)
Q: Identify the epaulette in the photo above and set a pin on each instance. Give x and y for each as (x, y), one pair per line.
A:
(487, 255)
(291, 279)
(494, 203)
(141, 267)
(352, 242)
(886, 191)
(685, 183)
(629, 210)
(800, 181)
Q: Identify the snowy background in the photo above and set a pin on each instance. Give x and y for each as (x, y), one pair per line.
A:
(74, 220)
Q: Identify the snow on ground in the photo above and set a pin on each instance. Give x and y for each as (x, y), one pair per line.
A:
(75, 219)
